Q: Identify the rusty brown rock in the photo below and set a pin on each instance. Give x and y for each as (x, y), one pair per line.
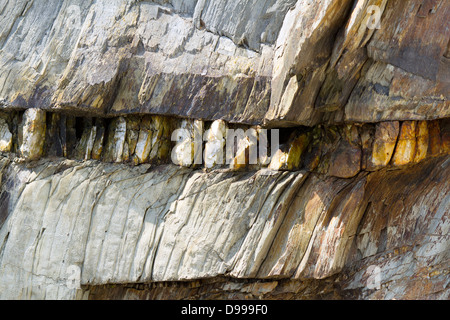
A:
(403, 23)
(346, 159)
(445, 135)
(435, 141)
(346, 162)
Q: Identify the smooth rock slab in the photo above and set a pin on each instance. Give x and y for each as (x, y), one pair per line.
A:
(70, 224)
(119, 225)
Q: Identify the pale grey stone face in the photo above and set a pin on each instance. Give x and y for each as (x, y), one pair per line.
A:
(107, 223)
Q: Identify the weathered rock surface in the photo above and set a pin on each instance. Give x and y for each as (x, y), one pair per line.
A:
(5, 137)
(278, 62)
(102, 197)
(122, 225)
(32, 135)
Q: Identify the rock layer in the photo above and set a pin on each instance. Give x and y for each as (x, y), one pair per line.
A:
(118, 178)
(277, 62)
(340, 151)
(122, 225)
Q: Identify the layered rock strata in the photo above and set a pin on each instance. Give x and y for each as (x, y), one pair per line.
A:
(341, 151)
(70, 227)
(118, 178)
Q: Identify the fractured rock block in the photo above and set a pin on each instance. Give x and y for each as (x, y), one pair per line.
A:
(55, 141)
(422, 138)
(289, 156)
(312, 157)
(90, 145)
(161, 142)
(153, 142)
(144, 145)
(133, 125)
(215, 144)
(406, 144)
(367, 133)
(445, 136)
(246, 150)
(33, 134)
(116, 140)
(385, 139)
(86, 144)
(435, 141)
(97, 147)
(5, 137)
(346, 160)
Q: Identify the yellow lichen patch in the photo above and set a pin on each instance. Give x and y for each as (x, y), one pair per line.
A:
(296, 150)
(421, 141)
(406, 145)
(291, 158)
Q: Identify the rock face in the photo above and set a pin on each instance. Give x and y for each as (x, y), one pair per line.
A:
(124, 225)
(5, 137)
(209, 149)
(233, 60)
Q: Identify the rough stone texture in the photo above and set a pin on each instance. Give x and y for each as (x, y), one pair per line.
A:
(354, 203)
(123, 225)
(189, 143)
(340, 151)
(278, 62)
(5, 137)
(408, 80)
(298, 69)
(289, 156)
(385, 139)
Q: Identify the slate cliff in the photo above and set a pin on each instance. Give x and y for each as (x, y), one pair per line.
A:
(98, 200)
